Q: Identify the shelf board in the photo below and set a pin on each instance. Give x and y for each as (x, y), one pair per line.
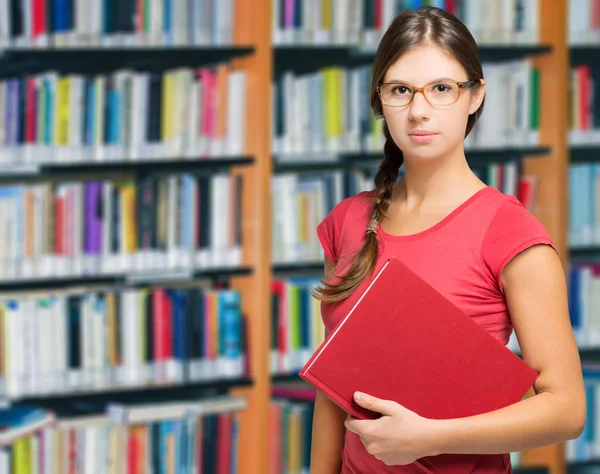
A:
(105, 59)
(142, 278)
(361, 160)
(531, 470)
(584, 54)
(97, 399)
(281, 378)
(155, 166)
(304, 58)
(315, 268)
(582, 254)
(584, 467)
(589, 355)
(584, 154)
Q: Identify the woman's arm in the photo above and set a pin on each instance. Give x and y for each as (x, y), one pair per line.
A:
(328, 427)
(536, 295)
(327, 437)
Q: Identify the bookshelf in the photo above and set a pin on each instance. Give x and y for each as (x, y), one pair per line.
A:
(254, 52)
(547, 163)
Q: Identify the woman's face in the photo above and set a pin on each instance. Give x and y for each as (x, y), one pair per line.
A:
(422, 130)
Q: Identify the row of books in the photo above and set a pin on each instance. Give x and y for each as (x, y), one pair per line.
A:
(296, 325)
(584, 205)
(150, 223)
(91, 340)
(290, 436)
(329, 111)
(587, 446)
(126, 115)
(183, 437)
(584, 105)
(584, 299)
(508, 178)
(299, 202)
(47, 23)
(363, 22)
(583, 25)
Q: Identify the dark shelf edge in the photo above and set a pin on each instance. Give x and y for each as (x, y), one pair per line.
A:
(279, 378)
(582, 254)
(359, 159)
(584, 153)
(72, 59)
(178, 391)
(531, 470)
(198, 166)
(129, 279)
(293, 268)
(304, 58)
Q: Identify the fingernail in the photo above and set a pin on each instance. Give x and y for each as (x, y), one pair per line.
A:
(359, 396)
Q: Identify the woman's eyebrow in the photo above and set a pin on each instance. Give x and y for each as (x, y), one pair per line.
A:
(400, 81)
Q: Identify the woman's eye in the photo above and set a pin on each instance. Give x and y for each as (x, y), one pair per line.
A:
(440, 88)
(400, 90)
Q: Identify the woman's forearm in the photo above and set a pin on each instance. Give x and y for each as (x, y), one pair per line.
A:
(540, 420)
(327, 437)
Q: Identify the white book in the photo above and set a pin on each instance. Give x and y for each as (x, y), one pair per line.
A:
(340, 21)
(61, 361)
(180, 22)
(45, 337)
(132, 414)
(236, 113)
(156, 23)
(193, 117)
(5, 23)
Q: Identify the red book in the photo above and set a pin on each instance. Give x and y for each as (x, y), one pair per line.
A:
(422, 352)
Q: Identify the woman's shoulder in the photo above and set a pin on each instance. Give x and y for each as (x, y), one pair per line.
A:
(355, 206)
(349, 214)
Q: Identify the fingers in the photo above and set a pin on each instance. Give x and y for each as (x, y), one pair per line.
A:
(385, 407)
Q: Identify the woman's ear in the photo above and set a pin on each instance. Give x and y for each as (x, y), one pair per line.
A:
(477, 96)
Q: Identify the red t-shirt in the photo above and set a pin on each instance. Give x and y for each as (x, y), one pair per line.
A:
(462, 256)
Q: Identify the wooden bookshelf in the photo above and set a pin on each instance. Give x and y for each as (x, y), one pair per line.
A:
(551, 172)
(255, 30)
(254, 52)
(549, 162)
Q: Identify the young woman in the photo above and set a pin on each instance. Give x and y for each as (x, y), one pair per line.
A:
(481, 248)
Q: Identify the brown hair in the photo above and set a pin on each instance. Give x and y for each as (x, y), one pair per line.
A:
(426, 25)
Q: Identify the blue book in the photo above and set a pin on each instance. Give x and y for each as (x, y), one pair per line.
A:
(19, 421)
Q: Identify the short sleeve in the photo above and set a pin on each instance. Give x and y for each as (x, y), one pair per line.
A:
(330, 228)
(512, 230)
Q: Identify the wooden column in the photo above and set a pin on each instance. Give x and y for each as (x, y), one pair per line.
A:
(551, 171)
(254, 28)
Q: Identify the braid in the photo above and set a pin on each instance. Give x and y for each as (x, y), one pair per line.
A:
(366, 258)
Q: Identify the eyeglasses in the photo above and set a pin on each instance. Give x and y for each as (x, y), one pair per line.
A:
(436, 93)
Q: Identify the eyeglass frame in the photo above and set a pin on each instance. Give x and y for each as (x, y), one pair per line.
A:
(461, 85)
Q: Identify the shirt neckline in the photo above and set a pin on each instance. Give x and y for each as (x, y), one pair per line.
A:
(383, 235)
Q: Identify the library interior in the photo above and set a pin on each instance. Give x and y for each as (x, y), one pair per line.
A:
(270, 101)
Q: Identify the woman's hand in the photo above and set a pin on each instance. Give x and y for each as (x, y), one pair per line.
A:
(399, 437)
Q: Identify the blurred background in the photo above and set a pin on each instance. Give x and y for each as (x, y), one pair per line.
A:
(163, 167)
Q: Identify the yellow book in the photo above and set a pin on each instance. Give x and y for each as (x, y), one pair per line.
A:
(332, 101)
(22, 456)
(61, 137)
(295, 440)
(168, 93)
(129, 227)
(326, 14)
